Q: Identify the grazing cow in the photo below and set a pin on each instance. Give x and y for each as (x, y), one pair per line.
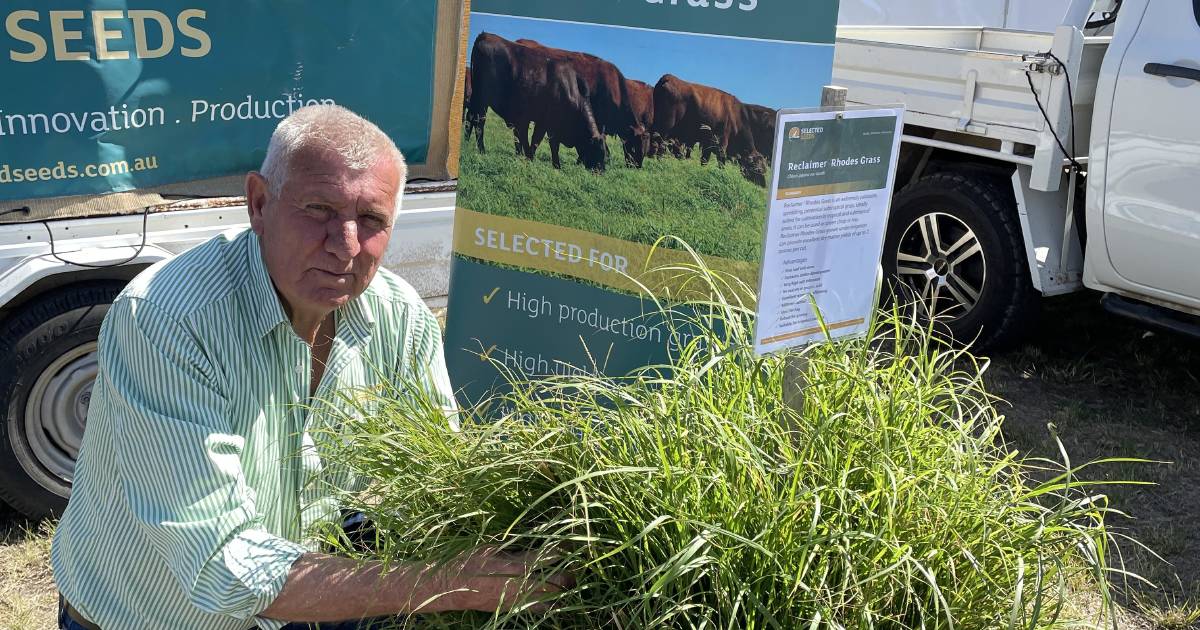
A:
(641, 99)
(468, 122)
(692, 113)
(762, 125)
(607, 90)
(496, 72)
(525, 86)
(564, 114)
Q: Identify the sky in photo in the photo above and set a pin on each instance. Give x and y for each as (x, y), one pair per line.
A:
(774, 74)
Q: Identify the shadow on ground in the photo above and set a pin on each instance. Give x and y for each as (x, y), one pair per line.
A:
(1108, 387)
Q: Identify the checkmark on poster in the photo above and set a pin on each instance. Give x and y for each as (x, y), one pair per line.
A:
(487, 299)
(487, 354)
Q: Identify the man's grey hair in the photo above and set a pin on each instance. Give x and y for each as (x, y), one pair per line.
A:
(333, 128)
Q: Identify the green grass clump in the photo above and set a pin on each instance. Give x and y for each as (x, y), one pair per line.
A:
(716, 210)
(700, 497)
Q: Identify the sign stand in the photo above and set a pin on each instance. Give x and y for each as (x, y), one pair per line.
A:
(795, 367)
(830, 194)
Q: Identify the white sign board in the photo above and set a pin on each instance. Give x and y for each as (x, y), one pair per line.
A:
(830, 195)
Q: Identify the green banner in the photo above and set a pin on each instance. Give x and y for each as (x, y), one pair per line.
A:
(595, 128)
(855, 155)
(576, 328)
(102, 97)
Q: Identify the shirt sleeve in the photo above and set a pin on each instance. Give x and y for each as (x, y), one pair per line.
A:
(181, 464)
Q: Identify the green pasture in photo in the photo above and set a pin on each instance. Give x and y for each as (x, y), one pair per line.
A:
(716, 210)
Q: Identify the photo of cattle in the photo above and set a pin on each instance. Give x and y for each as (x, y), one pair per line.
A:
(624, 132)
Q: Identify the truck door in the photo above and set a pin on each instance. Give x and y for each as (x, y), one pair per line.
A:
(1152, 183)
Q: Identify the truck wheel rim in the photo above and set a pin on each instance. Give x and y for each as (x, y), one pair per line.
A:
(940, 259)
(57, 410)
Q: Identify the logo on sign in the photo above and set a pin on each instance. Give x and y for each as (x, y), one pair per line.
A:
(805, 133)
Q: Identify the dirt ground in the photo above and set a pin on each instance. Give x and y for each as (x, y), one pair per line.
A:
(1104, 386)
(1111, 388)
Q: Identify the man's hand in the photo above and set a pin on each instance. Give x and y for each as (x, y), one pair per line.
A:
(326, 588)
(495, 580)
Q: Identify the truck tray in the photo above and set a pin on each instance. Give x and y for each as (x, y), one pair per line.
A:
(975, 81)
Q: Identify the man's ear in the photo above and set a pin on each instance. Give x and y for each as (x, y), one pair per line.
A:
(257, 195)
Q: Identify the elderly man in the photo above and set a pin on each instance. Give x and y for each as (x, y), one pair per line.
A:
(189, 504)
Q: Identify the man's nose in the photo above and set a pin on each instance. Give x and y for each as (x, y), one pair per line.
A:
(342, 240)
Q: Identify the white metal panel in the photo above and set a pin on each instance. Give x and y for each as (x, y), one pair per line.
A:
(1046, 224)
(932, 79)
(1099, 272)
(419, 251)
(1032, 15)
(963, 38)
(974, 81)
(26, 257)
(422, 243)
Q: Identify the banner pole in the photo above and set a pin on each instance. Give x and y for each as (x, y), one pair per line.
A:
(833, 97)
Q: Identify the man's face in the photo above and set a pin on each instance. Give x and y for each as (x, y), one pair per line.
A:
(324, 235)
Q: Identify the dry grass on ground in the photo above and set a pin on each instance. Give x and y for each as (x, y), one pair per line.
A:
(27, 597)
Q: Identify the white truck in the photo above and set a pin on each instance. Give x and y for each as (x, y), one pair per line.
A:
(1038, 164)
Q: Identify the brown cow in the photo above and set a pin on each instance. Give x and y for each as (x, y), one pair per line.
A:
(525, 86)
(641, 99)
(691, 113)
(468, 122)
(566, 117)
(762, 125)
(496, 74)
(608, 91)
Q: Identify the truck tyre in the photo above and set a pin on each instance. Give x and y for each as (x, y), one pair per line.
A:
(48, 350)
(954, 247)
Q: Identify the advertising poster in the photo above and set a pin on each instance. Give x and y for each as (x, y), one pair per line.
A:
(114, 98)
(830, 195)
(592, 130)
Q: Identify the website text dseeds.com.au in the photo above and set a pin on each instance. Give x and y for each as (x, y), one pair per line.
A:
(10, 174)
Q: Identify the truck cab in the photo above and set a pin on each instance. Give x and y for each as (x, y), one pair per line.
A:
(1143, 208)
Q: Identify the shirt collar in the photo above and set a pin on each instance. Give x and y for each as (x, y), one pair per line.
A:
(268, 310)
(358, 316)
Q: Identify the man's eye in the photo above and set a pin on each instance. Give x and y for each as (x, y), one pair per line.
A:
(373, 221)
(319, 209)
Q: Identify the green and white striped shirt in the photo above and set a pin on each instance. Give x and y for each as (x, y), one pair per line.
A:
(191, 497)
